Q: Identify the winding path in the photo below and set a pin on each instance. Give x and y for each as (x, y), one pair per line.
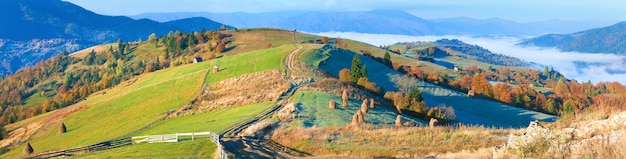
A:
(245, 147)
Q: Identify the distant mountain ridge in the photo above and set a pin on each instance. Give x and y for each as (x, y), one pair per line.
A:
(33, 30)
(380, 22)
(611, 39)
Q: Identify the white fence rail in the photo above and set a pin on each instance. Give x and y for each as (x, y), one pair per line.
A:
(178, 137)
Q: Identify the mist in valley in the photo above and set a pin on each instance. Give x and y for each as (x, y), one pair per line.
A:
(582, 67)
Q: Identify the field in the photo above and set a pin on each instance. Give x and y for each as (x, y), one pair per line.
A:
(97, 48)
(247, 40)
(313, 57)
(357, 46)
(215, 121)
(200, 148)
(471, 111)
(123, 109)
(313, 111)
(256, 61)
(413, 142)
(476, 111)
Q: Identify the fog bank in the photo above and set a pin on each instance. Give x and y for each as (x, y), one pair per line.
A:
(582, 67)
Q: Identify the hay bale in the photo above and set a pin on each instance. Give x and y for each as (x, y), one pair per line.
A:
(331, 104)
(364, 107)
(28, 149)
(399, 120)
(62, 128)
(432, 123)
(355, 120)
(408, 124)
(360, 117)
(372, 106)
(344, 98)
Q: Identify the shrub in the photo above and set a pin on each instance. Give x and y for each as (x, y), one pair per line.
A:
(370, 86)
(345, 75)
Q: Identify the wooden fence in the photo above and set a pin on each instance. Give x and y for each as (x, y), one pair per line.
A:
(80, 150)
(178, 137)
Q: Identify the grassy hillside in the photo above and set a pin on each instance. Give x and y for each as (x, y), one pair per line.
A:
(468, 110)
(200, 148)
(256, 61)
(123, 109)
(215, 121)
(247, 40)
(313, 111)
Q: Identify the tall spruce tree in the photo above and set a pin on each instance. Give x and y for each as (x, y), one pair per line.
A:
(387, 59)
(356, 68)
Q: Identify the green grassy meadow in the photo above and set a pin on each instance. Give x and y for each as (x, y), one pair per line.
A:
(123, 109)
(256, 61)
(215, 121)
(200, 148)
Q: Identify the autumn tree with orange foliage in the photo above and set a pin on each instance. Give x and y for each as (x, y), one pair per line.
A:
(480, 85)
(345, 75)
(325, 40)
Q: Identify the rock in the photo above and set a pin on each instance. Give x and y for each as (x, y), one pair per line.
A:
(584, 139)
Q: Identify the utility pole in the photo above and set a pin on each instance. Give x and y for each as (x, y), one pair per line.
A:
(295, 36)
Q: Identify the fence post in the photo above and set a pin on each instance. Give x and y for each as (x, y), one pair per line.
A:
(192, 135)
(162, 137)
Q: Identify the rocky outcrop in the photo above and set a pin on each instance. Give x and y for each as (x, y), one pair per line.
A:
(602, 138)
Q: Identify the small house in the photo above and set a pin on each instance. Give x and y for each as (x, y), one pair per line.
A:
(215, 69)
(197, 59)
(470, 93)
(456, 68)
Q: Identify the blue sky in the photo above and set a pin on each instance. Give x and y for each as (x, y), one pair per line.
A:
(517, 10)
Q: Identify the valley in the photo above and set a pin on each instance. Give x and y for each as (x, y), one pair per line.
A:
(379, 83)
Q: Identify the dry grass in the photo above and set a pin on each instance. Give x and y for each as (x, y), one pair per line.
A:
(396, 142)
(97, 48)
(337, 87)
(590, 114)
(259, 129)
(287, 113)
(41, 126)
(246, 41)
(593, 133)
(243, 90)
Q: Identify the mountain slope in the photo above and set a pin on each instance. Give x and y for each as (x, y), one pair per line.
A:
(611, 39)
(363, 22)
(33, 30)
(237, 19)
(380, 21)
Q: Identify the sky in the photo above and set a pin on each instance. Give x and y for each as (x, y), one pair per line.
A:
(516, 10)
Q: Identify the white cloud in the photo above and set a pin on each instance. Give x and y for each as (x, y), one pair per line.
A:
(601, 67)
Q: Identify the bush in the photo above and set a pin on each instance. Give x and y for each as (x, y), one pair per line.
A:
(345, 75)
(370, 86)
